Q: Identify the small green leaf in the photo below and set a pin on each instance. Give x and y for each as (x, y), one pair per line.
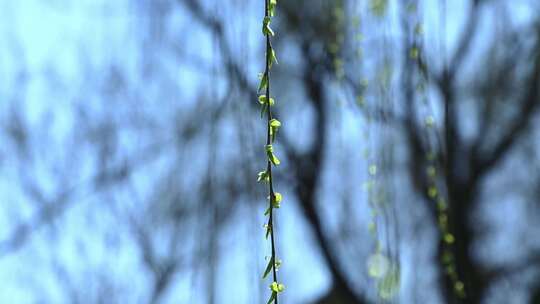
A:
(268, 229)
(266, 27)
(273, 57)
(272, 297)
(268, 268)
(272, 7)
(264, 82)
(274, 160)
(267, 212)
(271, 157)
(263, 176)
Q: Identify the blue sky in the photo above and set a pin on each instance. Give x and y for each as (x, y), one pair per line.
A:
(65, 50)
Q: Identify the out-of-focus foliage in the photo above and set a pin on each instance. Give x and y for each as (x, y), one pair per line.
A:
(408, 147)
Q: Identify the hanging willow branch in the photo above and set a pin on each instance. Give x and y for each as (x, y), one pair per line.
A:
(274, 198)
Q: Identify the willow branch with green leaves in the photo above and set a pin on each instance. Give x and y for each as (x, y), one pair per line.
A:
(274, 198)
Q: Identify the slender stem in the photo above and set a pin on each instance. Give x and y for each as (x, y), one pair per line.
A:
(268, 142)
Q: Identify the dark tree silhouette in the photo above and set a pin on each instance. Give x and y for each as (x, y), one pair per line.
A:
(409, 147)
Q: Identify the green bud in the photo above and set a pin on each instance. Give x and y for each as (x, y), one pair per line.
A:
(266, 27)
(264, 101)
(274, 127)
(271, 157)
(277, 287)
(276, 201)
(449, 238)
